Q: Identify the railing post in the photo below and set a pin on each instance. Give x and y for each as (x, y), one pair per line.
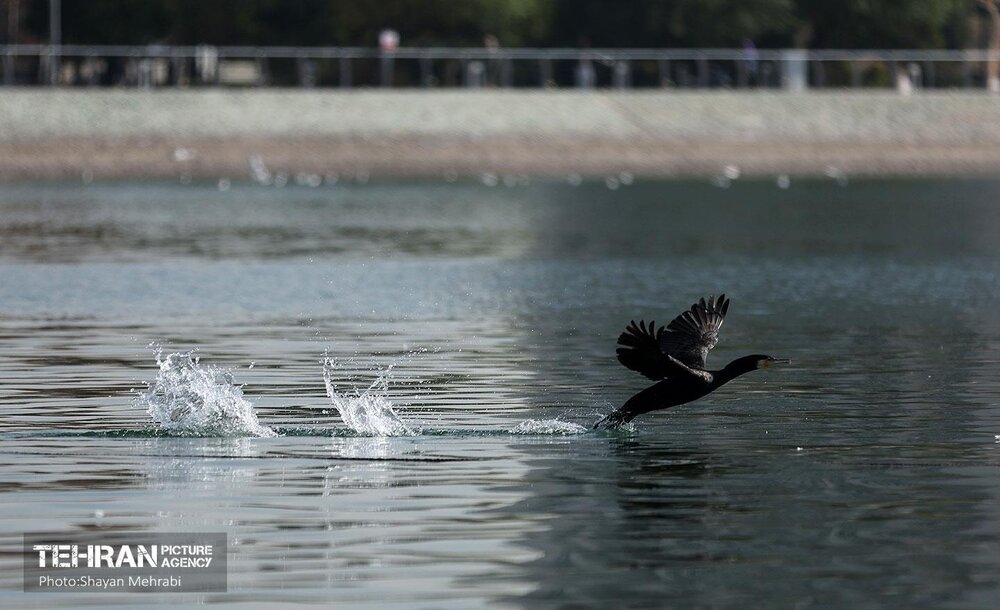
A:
(308, 71)
(206, 64)
(545, 72)
(992, 69)
(178, 66)
(793, 70)
(855, 74)
(345, 75)
(386, 69)
(663, 66)
(819, 75)
(584, 75)
(426, 73)
(55, 39)
(263, 77)
(621, 76)
(506, 73)
(475, 74)
(742, 76)
(703, 74)
(8, 67)
(766, 76)
(144, 69)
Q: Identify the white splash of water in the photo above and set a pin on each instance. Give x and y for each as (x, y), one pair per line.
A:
(368, 413)
(547, 426)
(190, 398)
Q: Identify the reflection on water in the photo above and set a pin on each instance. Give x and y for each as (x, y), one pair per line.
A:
(866, 473)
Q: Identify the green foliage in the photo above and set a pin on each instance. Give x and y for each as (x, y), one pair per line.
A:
(881, 24)
(723, 23)
(546, 23)
(437, 22)
(118, 22)
(680, 23)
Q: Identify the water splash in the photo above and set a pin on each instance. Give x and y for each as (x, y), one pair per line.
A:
(194, 399)
(368, 413)
(547, 426)
(613, 422)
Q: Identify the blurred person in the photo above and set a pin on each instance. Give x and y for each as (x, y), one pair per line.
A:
(493, 64)
(750, 61)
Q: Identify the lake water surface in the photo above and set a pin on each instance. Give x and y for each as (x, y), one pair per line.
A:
(864, 474)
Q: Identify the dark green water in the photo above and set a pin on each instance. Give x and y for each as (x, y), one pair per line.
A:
(864, 474)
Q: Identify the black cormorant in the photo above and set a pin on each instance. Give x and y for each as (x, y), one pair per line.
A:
(675, 357)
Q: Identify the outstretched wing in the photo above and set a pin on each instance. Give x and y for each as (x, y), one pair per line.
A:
(691, 335)
(641, 349)
(688, 338)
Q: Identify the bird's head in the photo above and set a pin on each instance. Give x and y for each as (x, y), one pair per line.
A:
(750, 363)
(764, 361)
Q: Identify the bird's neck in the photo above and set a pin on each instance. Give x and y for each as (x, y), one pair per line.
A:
(735, 368)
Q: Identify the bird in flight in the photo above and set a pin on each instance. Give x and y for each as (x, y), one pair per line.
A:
(674, 357)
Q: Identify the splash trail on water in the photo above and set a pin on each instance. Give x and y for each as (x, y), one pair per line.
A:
(188, 398)
(368, 413)
(198, 400)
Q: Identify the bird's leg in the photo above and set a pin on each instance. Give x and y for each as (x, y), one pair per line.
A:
(613, 420)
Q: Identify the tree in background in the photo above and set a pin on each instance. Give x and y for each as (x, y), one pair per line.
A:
(547, 23)
(99, 22)
(679, 23)
(885, 24)
(294, 22)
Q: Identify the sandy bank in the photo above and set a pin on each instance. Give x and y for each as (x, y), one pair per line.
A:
(120, 134)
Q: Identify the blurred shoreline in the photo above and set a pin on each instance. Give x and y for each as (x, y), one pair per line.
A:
(219, 133)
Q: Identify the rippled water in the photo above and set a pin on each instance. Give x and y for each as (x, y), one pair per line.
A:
(865, 474)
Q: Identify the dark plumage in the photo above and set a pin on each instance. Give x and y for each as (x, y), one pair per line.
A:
(675, 357)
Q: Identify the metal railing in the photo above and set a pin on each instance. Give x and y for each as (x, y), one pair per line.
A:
(195, 66)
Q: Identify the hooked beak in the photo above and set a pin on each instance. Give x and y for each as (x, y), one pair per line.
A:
(770, 361)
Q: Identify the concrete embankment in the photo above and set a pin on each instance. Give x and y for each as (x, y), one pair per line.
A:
(213, 133)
